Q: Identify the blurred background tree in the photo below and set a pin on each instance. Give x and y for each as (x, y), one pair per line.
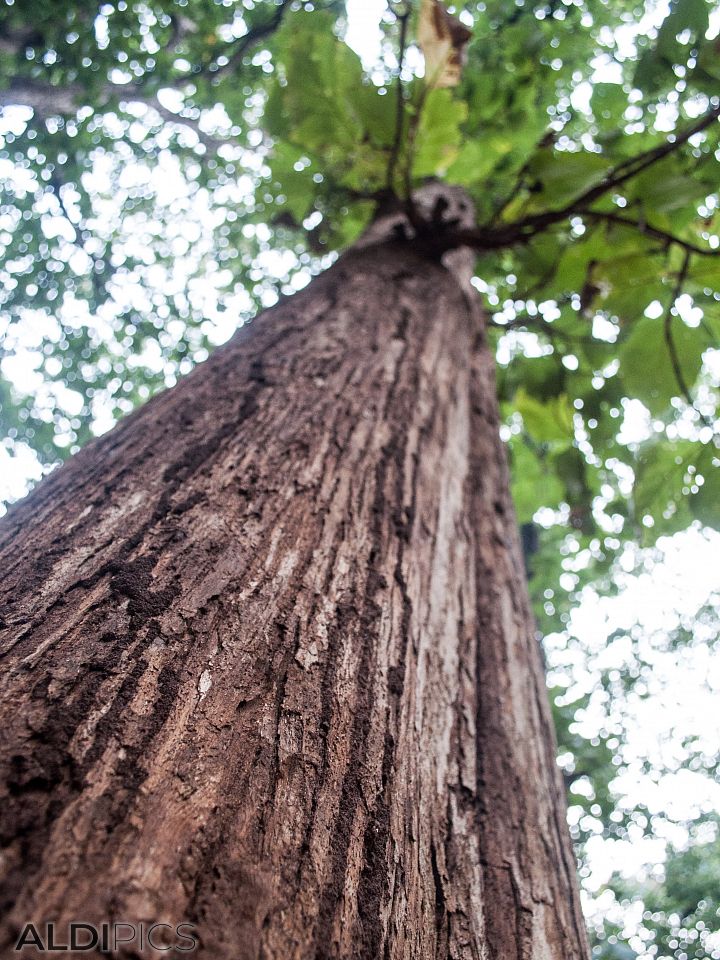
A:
(169, 168)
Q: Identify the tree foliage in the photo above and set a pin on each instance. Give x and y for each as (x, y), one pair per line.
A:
(168, 168)
(678, 915)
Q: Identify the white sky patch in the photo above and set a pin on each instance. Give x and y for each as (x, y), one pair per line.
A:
(364, 34)
(581, 96)
(675, 702)
(17, 472)
(636, 424)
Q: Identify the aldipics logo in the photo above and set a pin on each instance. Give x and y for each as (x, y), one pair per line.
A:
(82, 937)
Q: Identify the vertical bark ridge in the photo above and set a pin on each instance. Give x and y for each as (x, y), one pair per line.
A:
(268, 662)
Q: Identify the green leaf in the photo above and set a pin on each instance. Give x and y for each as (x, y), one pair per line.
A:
(661, 471)
(708, 62)
(562, 176)
(705, 504)
(609, 100)
(571, 468)
(535, 483)
(376, 113)
(692, 15)
(477, 158)
(320, 102)
(667, 194)
(686, 18)
(548, 422)
(439, 133)
(541, 377)
(646, 366)
(628, 283)
(294, 179)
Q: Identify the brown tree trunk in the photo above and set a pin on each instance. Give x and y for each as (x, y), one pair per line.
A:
(268, 662)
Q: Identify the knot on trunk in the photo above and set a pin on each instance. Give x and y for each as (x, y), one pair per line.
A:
(436, 212)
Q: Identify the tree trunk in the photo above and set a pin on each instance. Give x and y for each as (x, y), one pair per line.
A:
(269, 664)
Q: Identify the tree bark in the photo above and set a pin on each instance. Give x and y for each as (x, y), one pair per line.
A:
(269, 665)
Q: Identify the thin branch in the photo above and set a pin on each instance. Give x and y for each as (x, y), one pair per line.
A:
(629, 169)
(80, 234)
(506, 235)
(404, 19)
(252, 37)
(650, 231)
(15, 38)
(547, 139)
(672, 346)
(542, 327)
(211, 143)
(43, 98)
(48, 99)
(669, 338)
(419, 225)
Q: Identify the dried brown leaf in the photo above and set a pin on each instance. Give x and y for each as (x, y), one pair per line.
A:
(443, 39)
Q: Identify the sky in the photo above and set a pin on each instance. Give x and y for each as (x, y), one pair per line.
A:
(676, 583)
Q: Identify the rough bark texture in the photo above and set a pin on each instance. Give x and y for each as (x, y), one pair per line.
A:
(268, 661)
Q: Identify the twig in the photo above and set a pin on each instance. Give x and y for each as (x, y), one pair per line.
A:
(547, 139)
(631, 168)
(52, 99)
(494, 238)
(543, 328)
(650, 231)
(210, 142)
(250, 39)
(672, 346)
(404, 19)
(48, 100)
(669, 339)
(413, 215)
(43, 98)
(80, 234)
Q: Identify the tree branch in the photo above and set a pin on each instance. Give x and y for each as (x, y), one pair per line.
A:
(672, 346)
(624, 172)
(669, 339)
(629, 168)
(650, 231)
(250, 39)
(404, 19)
(211, 143)
(13, 38)
(506, 235)
(413, 215)
(49, 99)
(43, 98)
